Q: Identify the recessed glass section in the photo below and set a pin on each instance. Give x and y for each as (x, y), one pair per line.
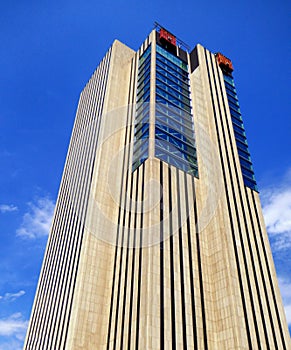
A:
(141, 127)
(239, 133)
(174, 130)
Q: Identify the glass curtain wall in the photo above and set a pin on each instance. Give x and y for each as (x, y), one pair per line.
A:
(239, 133)
(174, 130)
(141, 128)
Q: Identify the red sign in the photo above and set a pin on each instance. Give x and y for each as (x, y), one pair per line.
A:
(170, 38)
(224, 61)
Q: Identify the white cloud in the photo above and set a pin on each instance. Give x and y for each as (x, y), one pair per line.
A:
(288, 313)
(11, 344)
(13, 326)
(285, 288)
(37, 220)
(276, 203)
(12, 296)
(6, 208)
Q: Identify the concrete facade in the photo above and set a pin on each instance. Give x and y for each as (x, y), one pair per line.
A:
(155, 258)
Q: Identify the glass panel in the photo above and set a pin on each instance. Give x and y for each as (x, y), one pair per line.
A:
(243, 154)
(142, 73)
(141, 132)
(177, 143)
(143, 99)
(174, 101)
(140, 160)
(245, 163)
(143, 82)
(234, 107)
(236, 114)
(141, 147)
(237, 122)
(229, 80)
(250, 183)
(161, 119)
(230, 92)
(173, 70)
(175, 159)
(173, 81)
(242, 146)
(240, 137)
(176, 113)
(248, 173)
(144, 93)
(233, 100)
(230, 87)
(143, 114)
(145, 54)
(146, 63)
(238, 129)
(174, 90)
(170, 57)
(174, 135)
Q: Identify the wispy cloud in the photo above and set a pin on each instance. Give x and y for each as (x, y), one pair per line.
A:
(12, 296)
(6, 208)
(276, 203)
(37, 220)
(13, 326)
(11, 344)
(285, 288)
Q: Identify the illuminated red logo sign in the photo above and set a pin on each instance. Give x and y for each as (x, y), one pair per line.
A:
(166, 36)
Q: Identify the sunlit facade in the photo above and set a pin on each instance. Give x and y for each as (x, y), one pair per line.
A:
(158, 239)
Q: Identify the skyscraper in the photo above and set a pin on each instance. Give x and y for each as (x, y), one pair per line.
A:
(158, 239)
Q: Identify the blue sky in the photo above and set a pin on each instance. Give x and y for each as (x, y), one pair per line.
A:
(49, 49)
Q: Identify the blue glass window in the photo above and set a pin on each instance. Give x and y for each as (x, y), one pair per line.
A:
(230, 87)
(162, 119)
(143, 83)
(145, 55)
(230, 92)
(234, 107)
(174, 136)
(173, 71)
(250, 183)
(240, 136)
(233, 100)
(174, 131)
(237, 128)
(239, 133)
(237, 122)
(141, 128)
(174, 82)
(245, 163)
(236, 114)
(175, 102)
(242, 145)
(229, 79)
(248, 173)
(175, 113)
(143, 114)
(244, 154)
(172, 58)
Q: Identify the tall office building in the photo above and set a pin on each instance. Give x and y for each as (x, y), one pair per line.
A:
(158, 239)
